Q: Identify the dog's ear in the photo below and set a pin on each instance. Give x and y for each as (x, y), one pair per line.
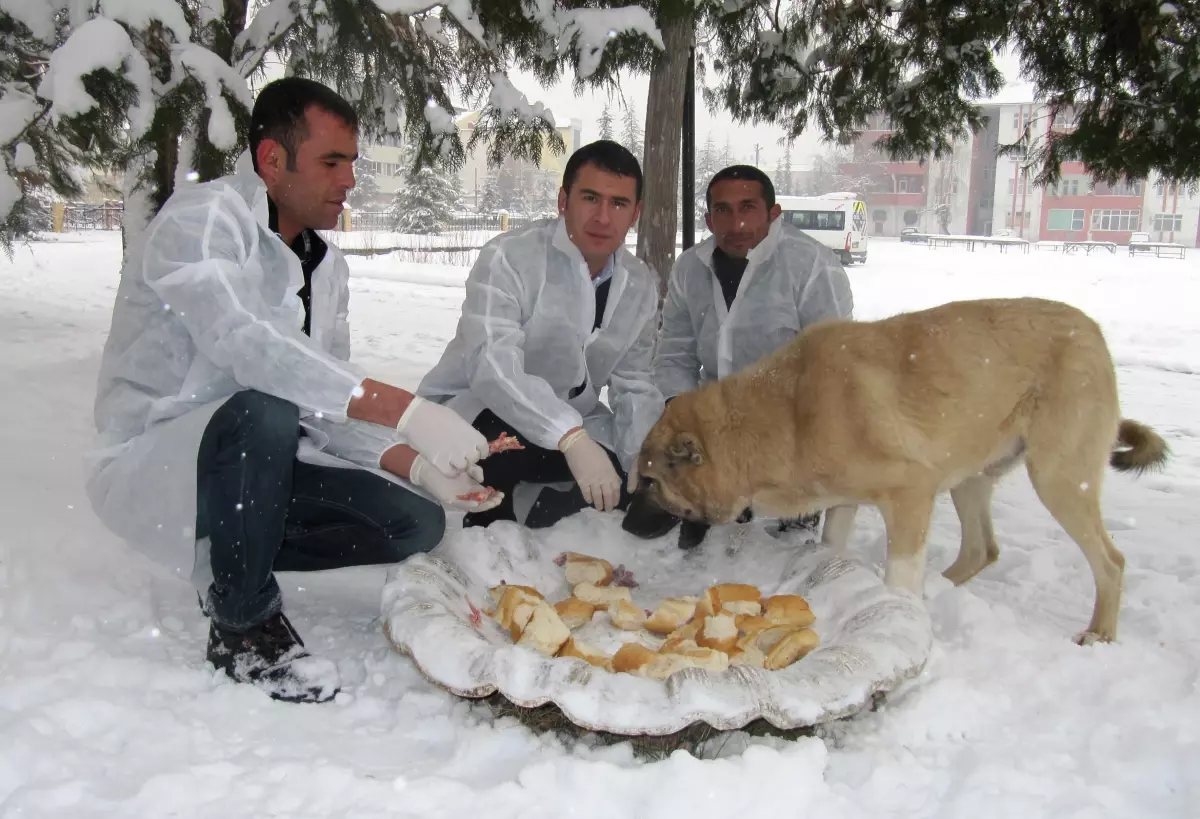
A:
(685, 449)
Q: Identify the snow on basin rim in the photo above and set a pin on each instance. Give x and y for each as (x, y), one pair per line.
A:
(872, 638)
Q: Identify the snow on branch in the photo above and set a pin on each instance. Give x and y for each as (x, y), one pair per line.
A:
(591, 29)
(139, 14)
(35, 15)
(18, 110)
(212, 72)
(99, 43)
(508, 101)
(268, 26)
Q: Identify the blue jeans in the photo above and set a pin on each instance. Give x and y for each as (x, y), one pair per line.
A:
(264, 511)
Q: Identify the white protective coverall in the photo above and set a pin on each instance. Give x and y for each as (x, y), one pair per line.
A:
(790, 282)
(525, 339)
(208, 306)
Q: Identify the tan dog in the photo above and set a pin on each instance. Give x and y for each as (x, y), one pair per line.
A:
(893, 412)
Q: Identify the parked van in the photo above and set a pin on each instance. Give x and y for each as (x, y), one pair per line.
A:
(836, 220)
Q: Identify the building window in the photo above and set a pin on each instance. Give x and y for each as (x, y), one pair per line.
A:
(903, 184)
(1064, 219)
(1118, 220)
(1168, 221)
(1016, 119)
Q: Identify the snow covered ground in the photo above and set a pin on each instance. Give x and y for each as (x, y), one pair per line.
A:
(107, 707)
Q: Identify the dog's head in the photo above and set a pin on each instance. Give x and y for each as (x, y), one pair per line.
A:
(683, 466)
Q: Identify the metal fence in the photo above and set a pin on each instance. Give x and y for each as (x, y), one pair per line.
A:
(82, 216)
(383, 221)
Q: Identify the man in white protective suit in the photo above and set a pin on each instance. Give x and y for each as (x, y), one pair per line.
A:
(235, 438)
(735, 297)
(555, 312)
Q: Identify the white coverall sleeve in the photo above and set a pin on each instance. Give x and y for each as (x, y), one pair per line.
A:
(195, 260)
(494, 355)
(826, 293)
(676, 362)
(356, 441)
(636, 401)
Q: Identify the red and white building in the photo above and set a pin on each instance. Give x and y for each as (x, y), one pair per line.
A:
(978, 192)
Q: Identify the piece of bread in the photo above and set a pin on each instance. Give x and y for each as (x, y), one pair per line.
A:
(788, 610)
(714, 600)
(514, 608)
(702, 657)
(719, 632)
(747, 656)
(583, 651)
(497, 592)
(587, 569)
(683, 633)
(748, 624)
(764, 639)
(545, 632)
(632, 656)
(664, 665)
(670, 615)
(575, 612)
(602, 596)
(626, 615)
(791, 648)
(742, 607)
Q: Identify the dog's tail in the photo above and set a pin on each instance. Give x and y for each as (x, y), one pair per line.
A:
(1138, 448)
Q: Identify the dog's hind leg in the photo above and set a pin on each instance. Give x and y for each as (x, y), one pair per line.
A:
(1069, 444)
(839, 521)
(978, 549)
(1074, 501)
(906, 516)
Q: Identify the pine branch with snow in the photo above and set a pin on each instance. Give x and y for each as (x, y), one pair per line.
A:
(1123, 72)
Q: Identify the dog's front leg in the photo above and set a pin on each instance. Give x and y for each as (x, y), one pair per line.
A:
(839, 522)
(906, 516)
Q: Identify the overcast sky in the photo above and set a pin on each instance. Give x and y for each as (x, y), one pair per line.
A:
(561, 99)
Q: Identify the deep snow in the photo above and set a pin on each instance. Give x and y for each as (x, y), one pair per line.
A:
(107, 707)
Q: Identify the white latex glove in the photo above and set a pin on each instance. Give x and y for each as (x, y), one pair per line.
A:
(440, 434)
(448, 490)
(592, 470)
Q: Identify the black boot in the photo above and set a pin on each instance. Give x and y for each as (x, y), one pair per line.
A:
(271, 657)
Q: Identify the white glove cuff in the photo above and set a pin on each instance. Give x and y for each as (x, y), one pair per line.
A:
(414, 472)
(408, 412)
(572, 438)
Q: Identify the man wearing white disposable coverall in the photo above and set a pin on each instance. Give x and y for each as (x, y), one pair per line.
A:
(235, 437)
(554, 312)
(734, 298)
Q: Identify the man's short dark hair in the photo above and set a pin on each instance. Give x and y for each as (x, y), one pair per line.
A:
(607, 156)
(745, 173)
(279, 113)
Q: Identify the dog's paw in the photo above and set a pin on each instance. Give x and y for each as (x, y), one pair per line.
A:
(1087, 638)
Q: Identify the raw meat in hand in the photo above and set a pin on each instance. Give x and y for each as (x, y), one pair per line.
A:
(504, 443)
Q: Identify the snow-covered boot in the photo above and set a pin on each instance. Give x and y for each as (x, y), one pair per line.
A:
(271, 657)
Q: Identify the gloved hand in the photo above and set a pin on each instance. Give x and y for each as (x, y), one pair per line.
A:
(448, 442)
(592, 470)
(461, 492)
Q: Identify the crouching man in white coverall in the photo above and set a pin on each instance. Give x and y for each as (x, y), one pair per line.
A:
(235, 438)
(739, 295)
(554, 312)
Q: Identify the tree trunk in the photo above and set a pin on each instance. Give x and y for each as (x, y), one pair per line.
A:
(664, 120)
